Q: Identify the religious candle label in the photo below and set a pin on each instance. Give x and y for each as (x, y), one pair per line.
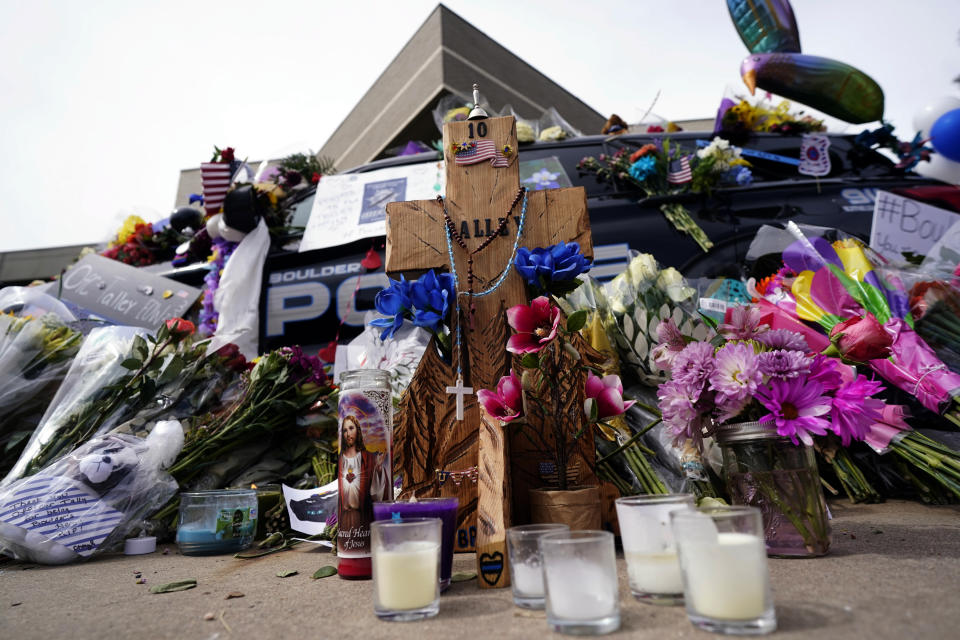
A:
(364, 467)
(61, 510)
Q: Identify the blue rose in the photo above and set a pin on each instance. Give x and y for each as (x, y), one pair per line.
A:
(394, 301)
(431, 296)
(545, 269)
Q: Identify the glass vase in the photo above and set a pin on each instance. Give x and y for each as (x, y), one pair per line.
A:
(767, 471)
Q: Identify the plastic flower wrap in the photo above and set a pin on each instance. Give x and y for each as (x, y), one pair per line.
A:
(642, 298)
(117, 374)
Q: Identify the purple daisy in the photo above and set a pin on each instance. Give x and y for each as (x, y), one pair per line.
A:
(783, 339)
(854, 411)
(737, 373)
(825, 370)
(794, 407)
(694, 365)
(678, 407)
(783, 364)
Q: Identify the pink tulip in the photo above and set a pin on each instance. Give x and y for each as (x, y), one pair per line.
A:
(607, 393)
(535, 326)
(506, 403)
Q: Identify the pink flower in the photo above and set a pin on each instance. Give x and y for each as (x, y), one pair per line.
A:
(743, 323)
(783, 363)
(794, 407)
(824, 370)
(695, 364)
(506, 403)
(535, 326)
(854, 411)
(737, 374)
(783, 339)
(607, 393)
(681, 414)
(861, 339)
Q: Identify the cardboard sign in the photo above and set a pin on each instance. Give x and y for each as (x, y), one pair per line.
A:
(900, 224)
(352, 206)
(124, 294)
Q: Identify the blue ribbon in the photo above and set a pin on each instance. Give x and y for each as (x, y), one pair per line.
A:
(753, 153)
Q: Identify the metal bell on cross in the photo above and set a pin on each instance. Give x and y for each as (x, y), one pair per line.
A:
(477, 113)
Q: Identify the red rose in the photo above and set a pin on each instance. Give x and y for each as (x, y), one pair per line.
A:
(179, 327)
(315, 178)
(861, 339)
(227, 155)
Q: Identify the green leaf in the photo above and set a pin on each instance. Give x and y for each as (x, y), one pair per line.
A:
(172, 371)
(132, 363)
(140, 347)
(594, 411)
(463, 576)
(287, 574)
(708, 320)
(180, 585)
(530, 361)
(577, 320)
(324, 572)
(162, 333)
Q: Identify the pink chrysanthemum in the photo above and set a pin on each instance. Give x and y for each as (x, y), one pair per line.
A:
(737, 373)
(783, 364)
(744, 323)
(783, 339)
(694, 364)
(854, 411)
(678, 407)
(794, 407)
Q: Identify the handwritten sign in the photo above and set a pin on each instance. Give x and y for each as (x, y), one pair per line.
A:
(124, 294)
(900, 224)
(352, 206)
(61, 510)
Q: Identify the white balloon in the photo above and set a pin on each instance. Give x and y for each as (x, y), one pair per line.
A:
(925, 117)
(229, 233)
(213, 226)
(940, 168)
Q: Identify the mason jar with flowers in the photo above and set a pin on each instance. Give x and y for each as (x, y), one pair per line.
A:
(764, 398)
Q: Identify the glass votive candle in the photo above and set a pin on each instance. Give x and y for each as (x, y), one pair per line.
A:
(214, 522)
(443, 508)
(724, 563)
(526, 565)
(649, 547)
(580, 576)
(406, 568)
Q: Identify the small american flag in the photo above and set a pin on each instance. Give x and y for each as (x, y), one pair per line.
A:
(215, 177)
(478, 152)
(679, 171)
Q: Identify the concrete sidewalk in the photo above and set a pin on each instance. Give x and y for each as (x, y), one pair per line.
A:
(894, 572)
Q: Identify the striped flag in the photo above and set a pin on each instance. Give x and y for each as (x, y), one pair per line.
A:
(679, 171)
(478, 152)
(215, 177)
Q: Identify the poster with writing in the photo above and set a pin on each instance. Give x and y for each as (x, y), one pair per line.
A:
(61, 510)
(903, 225)
(352, 206)
(124, 294)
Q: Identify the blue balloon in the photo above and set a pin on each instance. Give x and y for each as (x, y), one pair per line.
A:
(945, 135)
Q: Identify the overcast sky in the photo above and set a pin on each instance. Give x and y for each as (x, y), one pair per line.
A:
(103, 102)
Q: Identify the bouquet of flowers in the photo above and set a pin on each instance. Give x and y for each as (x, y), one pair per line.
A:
(117, 374)
(35, 354)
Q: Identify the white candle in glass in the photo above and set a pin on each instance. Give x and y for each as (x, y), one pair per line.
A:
(727, 579)
(406, 575)
(528, 579)
(581, 590)
(654, 572)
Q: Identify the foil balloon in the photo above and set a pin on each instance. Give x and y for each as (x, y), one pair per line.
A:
(765, 26)
(945, 135)
(831, 86)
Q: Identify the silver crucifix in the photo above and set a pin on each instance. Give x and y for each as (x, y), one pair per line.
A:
(460, 391)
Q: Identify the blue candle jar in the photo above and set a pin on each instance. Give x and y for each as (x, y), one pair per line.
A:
(214, 522)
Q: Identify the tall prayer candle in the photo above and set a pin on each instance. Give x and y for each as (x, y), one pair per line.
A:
(364, 469)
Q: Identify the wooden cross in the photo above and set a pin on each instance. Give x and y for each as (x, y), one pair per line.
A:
(428, 438)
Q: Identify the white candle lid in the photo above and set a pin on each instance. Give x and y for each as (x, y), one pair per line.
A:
(139, 546)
